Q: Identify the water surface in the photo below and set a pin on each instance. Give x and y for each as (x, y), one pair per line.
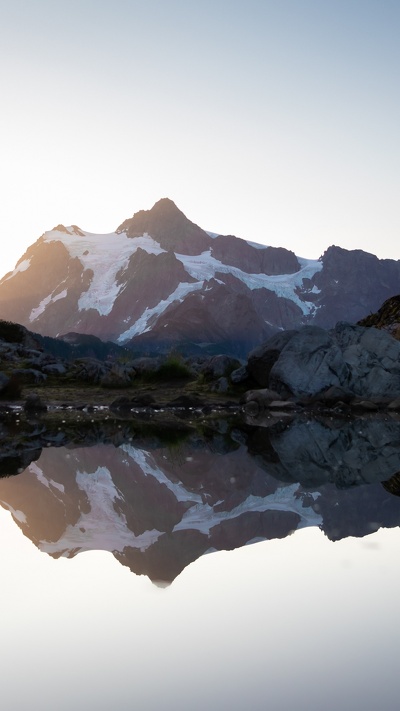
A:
(254, 569)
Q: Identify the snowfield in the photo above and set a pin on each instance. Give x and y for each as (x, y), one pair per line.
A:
(105, 255)
(94, 251)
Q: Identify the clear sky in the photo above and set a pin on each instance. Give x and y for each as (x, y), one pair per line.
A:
(275, 120)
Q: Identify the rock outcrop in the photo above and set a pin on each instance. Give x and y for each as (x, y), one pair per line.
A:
(386, 318)
(310, 361)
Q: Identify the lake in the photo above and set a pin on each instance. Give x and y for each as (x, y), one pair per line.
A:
(225, 568)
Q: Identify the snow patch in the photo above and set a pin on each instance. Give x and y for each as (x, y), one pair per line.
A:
(105, 255)
(143, 323)
(204, 267)
(35, 313)
(21, 267)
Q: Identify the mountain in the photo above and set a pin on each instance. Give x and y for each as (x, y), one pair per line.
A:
(160, 281)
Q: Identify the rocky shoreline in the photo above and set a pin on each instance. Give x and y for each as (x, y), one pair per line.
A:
(349, 368)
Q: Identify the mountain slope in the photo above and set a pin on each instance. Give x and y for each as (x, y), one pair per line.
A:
(159, 279)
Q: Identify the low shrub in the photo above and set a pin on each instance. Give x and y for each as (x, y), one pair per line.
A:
(173, 369)
(11, 332)
(13, 389)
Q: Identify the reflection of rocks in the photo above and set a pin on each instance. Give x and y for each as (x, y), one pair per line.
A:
(315, 452)
(393, 484)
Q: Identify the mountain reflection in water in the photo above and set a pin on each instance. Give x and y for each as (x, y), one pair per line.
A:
(159, 505)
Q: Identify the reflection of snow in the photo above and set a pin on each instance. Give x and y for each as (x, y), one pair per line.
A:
(149, 468)
(38, 472)
(203, 517)
(102, 528)
(17, 515)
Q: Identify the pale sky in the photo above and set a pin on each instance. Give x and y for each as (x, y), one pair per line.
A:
(274, 120)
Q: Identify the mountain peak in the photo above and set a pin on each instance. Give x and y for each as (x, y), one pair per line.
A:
(169, 227)
(165, 205)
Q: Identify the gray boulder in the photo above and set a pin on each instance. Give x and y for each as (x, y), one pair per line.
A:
(310, 362)
(54, 369)
(373, 358)
(146, 364)
(221, 386)
(118, 376)
(218, 366)
(240, 375)
(354, 360)
(89, 370)
(262, 359)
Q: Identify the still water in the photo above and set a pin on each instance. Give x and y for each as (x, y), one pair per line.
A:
(247, 569)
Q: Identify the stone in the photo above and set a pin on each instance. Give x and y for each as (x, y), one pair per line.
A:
(367, 405)
(310, 362)
(334, 395)
(264, 396)
(34, 403)
(330, 366)
(262, 359)
(252, 408)
(145, 364)
(219, 365)
(282, 405)
(118, 376)
(54, 369)
(221, 386)
(121, 403)
(240, 375)
(89, 370)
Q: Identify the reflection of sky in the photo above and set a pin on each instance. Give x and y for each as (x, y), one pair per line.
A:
(275, 121)
(296, 623)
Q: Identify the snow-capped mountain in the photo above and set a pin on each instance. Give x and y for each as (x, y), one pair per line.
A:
(160, 280)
